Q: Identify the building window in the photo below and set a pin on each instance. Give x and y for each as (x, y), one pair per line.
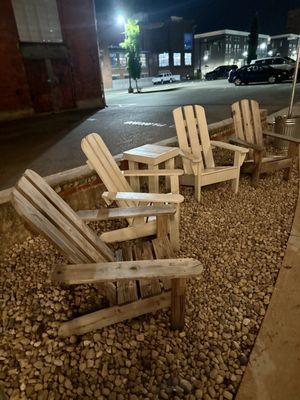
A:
(176, 59)
(143, 60)
(188, 41)
(188, 58)
(122, 60)
(163, 59)
(114, 60)
(37, 21)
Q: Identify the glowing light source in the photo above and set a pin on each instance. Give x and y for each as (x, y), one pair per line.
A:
(245, 53)
(205, 58)
(263, 46)
(270, 53)
(120, 20)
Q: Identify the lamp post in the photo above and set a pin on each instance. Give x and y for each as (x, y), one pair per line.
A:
(121, 21)
(290, 111)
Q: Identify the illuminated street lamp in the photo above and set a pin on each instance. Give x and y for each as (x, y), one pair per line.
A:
(245, 54)
(121, 20)
(205, 58)
(270, 53)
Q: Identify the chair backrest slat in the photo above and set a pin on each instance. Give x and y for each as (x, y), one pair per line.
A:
(256, 122)
(193, 136)
(100, 158)
(182, 138)
(247, 121)
(204, 137)
(248, 127)
(41, 206)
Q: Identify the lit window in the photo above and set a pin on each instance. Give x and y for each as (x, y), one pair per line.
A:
(114, 60)
(143, 60)
(122, 60)
(163, 59)
(176, 59)
(37, 20)
(188, 58)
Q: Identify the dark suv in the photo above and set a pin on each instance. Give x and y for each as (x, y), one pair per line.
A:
(220, 72)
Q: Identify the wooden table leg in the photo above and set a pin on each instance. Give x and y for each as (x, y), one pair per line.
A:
(169, 164)
(134, 180)
(153, 180)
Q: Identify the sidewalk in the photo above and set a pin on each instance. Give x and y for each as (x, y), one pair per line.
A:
(273, 372)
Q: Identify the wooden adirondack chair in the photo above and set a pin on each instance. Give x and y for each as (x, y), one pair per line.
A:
(196, 151)
(249, 133)
(101, 160)
(132, 281)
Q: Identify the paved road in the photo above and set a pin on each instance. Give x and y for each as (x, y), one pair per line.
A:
(51, 144)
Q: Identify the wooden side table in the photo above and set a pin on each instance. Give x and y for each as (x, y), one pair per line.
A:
(152, 155)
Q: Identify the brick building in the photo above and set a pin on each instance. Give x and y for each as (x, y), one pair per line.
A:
(49, 59)
(165, 46)
(170, 45)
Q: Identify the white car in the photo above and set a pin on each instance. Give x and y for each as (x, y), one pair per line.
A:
(163, 78)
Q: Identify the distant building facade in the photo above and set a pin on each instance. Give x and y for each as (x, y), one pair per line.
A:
(165, 46)
(170, 45)
(283, 45)
(293, 21)
(224, 47)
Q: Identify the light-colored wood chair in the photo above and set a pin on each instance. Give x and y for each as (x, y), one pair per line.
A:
(101, 160)
(196, 151)
(132, 280)
(250, 134)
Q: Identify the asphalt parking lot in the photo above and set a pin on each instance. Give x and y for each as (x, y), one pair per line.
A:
(52, 143)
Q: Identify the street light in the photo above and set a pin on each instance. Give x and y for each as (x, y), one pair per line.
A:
(270, 53)
(245, 54)
(121, 20)
(205, 58)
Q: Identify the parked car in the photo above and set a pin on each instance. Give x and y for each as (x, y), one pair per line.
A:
(286, 64)
(220, 72)
(163, 78)
(254, 73)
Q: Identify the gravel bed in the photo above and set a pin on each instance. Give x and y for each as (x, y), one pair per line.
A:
(240, 239)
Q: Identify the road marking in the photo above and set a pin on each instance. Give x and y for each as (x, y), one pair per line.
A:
(141, 123)
(122, 105)
(92, 119)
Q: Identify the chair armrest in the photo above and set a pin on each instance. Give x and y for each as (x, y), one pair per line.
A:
(144, 197)
(243, 143)
(282, 137)
(153, 172)
(190, 156)
(228, 146)
(126, 212)
(127, 270)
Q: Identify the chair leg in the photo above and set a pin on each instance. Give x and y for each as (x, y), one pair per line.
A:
(174, 229)
(238, 160)
(198, 187)
(257, 167)
(178, 303)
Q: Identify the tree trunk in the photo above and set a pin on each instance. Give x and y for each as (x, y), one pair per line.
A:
(136, 85)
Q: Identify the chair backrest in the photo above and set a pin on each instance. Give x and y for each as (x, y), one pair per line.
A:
(102, 161)
(193, 136)
(50, 215)
(247, 121)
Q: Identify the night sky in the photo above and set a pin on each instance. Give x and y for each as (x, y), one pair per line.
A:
(210, 15)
